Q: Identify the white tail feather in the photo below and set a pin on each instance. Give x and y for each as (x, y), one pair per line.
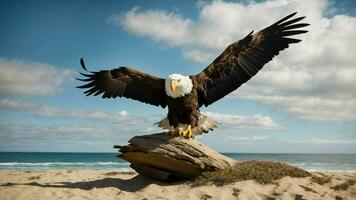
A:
(205, 124)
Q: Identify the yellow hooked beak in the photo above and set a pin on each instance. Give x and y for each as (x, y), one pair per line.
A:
(173, 85)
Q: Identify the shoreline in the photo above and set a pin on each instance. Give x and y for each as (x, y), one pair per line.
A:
(114, 184)
(43, 161)
(131, 170)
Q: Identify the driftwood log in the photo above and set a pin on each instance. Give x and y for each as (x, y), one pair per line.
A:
(167, 158)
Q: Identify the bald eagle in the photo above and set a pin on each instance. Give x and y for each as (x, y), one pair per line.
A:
(184, 95)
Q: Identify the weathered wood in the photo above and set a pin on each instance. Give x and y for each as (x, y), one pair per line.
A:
(165, 157)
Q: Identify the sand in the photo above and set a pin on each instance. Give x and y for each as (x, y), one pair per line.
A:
(97, 184)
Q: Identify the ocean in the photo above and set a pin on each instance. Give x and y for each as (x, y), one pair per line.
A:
(25, 161)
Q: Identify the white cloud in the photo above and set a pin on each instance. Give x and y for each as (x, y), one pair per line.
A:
(313, 80)
(137, 124)
(25, 132)
(197, 55)
(312, 108)
(122, 117)
(115, 127)
(219, 24)
(244, 123)
(30, 78)
(323, 142)
(175, 27)
(89, 126)
(246, 139)
(19, 105)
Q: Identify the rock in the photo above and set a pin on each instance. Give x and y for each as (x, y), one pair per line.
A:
(165, 157)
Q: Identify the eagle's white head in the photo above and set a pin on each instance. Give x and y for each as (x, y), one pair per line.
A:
(178, 85)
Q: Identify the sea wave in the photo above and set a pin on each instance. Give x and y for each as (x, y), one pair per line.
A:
(299, 164)
(63, 164)
(331, 170)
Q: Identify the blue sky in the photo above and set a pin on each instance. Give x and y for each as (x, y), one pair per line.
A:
(302, 101)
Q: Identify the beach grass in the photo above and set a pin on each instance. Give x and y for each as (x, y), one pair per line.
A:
(114, 173)
(263, 172)
(321, 180)
(345, 185)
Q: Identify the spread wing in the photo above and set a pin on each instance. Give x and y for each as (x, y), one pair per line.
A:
(124, 82)
(243, 59)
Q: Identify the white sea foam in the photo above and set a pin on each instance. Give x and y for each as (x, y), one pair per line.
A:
(329, 170)
(63, 164)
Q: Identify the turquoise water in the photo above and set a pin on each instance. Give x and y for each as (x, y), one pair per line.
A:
(18, 161)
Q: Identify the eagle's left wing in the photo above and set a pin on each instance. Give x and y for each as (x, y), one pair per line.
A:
(243, 59)
(125, 82)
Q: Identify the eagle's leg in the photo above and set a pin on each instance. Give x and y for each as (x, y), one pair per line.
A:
(181, 132)
(187, 133)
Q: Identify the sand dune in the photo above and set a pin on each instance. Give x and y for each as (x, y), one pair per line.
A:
(97, 184)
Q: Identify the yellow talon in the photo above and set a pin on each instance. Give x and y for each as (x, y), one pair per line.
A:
(190, 135)
(181, 133)
(188, 132)
(185, 133)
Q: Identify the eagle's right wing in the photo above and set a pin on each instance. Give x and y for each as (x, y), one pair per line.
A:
(125, 82)
(243, 59)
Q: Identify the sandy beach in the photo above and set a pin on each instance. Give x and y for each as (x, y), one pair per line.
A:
(99, 184)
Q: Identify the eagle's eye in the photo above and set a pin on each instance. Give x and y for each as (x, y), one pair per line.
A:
(178, 80)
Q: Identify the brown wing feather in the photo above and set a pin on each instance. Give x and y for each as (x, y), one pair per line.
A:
(243, 59)
(124, 82)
